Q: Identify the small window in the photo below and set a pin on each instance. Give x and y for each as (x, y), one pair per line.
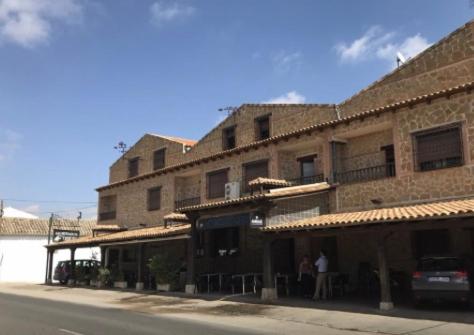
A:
(228, 138)
(438, 148)
(262, 128)
(225, 242)
(107, 207)
(254, 170)
(216, 184)
(154, 198)
(133, 167)
(159, 159)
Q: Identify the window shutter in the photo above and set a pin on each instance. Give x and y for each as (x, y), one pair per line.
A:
(159, 159)
(154, 198)
(254, 170)
(216, 183)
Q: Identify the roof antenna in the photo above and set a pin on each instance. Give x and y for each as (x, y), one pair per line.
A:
(228, 109)
(121, 147)
(400, 59)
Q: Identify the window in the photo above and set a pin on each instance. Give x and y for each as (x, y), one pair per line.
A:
(254, 170)
(262, 128)
(228, 138)
(159, 159)
(133, 167)
(216, 184)
(438, 148)
(154, 198)
(431, 243)
(225, 242)
(307, 169)
(389, 152)
(107, 207)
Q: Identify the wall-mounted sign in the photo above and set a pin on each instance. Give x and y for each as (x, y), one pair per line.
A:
(62, 235)
(257, 220)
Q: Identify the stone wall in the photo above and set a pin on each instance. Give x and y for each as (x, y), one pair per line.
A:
(446, 64)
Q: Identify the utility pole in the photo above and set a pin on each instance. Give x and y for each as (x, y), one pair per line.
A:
(1, 209)
(50, 225)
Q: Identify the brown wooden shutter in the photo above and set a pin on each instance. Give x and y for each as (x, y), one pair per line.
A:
(254, 170)
(133, 167)
(159, 159)
(216, 182)
(154, 198)
(438, 145)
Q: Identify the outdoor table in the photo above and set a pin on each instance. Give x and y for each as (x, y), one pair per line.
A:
(242, 277)
(286, 278)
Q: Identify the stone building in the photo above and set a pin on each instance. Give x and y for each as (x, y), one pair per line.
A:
(378, 180)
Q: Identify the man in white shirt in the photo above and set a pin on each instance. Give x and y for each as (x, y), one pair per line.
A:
(321, 279)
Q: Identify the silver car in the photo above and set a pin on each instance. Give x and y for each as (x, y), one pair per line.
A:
(442, 278)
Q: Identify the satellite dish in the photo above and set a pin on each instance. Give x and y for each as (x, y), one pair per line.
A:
(400, 59)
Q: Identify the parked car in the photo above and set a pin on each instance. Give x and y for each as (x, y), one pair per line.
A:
(442, 279)
(62, 273)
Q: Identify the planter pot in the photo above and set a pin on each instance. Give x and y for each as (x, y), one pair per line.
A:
(93, 282)
(71, 282)
(120, 284)
(163, 287)
(82, 283)
(139, 286)
(99, 284)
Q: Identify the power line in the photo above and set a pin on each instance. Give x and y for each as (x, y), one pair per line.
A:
(51, 201)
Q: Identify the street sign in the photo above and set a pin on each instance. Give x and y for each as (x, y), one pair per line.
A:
(62, 234)
(257, 220)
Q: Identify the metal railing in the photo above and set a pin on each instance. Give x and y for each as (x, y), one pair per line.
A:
(187, 202)
(365, 174)
(305, 180)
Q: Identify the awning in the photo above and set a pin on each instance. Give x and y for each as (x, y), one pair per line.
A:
(433, 210)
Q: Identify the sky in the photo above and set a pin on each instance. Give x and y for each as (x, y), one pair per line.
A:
(78, 76)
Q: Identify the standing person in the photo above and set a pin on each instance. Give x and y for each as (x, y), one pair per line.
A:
(321, 279)
(305, 274)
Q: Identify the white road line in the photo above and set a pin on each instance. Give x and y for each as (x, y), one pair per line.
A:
(69, 332)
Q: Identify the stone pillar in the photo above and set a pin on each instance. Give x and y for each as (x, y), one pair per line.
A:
(384, 275)
(102, 255)
(72, 277)
(269, 291)
(120, 260)
(190, 282)
(106, 258)
(140, 262)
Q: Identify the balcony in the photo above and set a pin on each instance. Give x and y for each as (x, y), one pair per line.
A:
(305, 180)
(365, 174)
(187, 202)
(107, 216)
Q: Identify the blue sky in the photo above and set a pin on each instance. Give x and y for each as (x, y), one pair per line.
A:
(77, 76)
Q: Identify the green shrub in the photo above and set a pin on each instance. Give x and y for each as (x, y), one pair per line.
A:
(165, 269)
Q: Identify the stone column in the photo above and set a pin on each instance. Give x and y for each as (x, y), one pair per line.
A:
(190, 282)
(269, 291)
(140, 262)
(384, 274)
(72, 277)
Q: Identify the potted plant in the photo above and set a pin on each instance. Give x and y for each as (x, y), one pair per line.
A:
(166, 271)
(118, 279)
(94, 275)
(103, 277)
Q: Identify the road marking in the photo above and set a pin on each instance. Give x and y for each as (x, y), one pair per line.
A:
(69, 332)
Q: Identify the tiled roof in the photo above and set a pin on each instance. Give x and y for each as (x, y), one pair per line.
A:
(128, 235)
(298, 133)
(181, 140)
(272, 194)
(432, 210)
(260, 181)
(107, 227)
(176, 217)
(40, 227)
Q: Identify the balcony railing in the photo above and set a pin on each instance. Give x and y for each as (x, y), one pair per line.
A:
(187, 202)
(365, 174)
(107, 216)
(305, 180)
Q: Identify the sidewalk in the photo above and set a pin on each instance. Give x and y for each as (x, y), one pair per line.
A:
(251, 312)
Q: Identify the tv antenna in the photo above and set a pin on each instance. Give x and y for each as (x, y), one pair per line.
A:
(400, 59)
(229, 109)
(121, 147)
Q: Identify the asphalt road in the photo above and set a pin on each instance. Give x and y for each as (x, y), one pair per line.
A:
(28, 316)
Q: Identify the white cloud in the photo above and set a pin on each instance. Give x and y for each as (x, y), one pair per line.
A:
(379, 44)
(33, 209)
(9, 143)
(162, 12)
(292, 97)
(285, 61)
(30, 22)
